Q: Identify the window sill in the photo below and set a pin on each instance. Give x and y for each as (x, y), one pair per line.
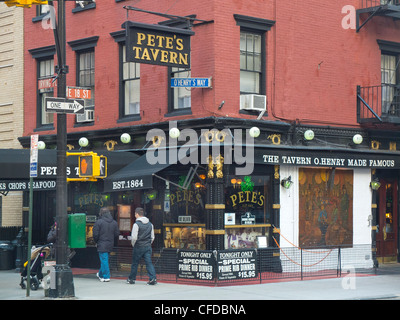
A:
(179, 112)
(83, 124)
(87, 7)
(45, 127)
(129, 118)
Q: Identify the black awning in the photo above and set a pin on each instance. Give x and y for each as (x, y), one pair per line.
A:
(139, 173)
(14, 163)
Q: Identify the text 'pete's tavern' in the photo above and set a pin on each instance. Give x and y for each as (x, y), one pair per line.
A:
(159, 45)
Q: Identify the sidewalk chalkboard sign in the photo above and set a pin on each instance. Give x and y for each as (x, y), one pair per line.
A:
(236, 264)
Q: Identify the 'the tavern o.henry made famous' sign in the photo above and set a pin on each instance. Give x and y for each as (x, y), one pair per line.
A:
(160, 45)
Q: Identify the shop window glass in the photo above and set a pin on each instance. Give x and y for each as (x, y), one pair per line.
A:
(247, 199)
(247, 210)
(185, 206)
(184, 215)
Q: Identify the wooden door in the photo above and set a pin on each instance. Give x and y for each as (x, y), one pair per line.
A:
(386, 238)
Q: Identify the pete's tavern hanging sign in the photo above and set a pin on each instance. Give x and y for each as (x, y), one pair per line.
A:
(160, 45)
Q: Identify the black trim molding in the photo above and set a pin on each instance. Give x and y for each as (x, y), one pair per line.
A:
(83, 44)
(253, 23)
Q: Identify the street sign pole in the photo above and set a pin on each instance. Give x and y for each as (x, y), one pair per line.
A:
(32, 173)
(63, 273)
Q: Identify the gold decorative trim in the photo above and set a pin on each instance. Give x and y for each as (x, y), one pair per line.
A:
(215, 232)
(157, 231)
(374, 206)
(275, 138)
(375, 145)
(276, 206)
(110, 144)
(276, 174)
(157, 207)
(233, 226)
(157, 141)
(374, 228)
(215, 206)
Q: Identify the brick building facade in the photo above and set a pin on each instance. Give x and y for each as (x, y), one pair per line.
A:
(311, 64)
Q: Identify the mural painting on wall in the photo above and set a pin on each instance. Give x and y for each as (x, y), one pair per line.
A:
(325, 207)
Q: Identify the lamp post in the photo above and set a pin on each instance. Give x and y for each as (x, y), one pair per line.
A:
(64, 280)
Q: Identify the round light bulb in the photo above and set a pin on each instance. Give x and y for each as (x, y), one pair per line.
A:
(254, 132)
(309, 135)
(41, 145)
(83, 142)
(357, 139)
(125, 138)
(174, 133)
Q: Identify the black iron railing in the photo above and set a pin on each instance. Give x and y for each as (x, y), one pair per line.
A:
(376, 3)
(250, 266)
(378, 103)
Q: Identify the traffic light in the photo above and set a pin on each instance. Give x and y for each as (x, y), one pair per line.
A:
(24, 3)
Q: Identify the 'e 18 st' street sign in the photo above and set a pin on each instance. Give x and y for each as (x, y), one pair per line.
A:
(62, 105)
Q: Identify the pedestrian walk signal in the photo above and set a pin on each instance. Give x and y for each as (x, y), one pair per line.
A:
(103, 167)
(86, 165)
(92, 166)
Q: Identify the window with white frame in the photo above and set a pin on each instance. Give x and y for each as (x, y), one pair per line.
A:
(389, 80)
(250, 62)
(180, 97)
(85, 73)
(131, 86)
(45, 89)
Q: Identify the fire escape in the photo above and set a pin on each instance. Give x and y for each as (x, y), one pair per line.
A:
(380, 103)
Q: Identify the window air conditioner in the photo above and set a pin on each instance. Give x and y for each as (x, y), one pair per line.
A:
(87, 116)
(253, 102)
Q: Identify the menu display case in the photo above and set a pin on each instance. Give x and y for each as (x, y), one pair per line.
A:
(125, 222)
(245, 236)
(185, 236)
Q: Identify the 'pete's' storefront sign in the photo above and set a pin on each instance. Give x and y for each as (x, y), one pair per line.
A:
(160, 45)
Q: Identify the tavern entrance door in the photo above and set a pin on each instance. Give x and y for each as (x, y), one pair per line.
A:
(386, 238)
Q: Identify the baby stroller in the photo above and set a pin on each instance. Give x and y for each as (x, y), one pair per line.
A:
(38, 255)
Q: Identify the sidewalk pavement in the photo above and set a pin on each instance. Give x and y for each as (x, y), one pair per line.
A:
(384, 285)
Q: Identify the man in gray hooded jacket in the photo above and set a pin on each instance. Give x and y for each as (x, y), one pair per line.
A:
(142, 238)
(105, 231)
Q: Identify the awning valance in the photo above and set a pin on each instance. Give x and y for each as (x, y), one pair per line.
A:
(14, 165)
(139, 174)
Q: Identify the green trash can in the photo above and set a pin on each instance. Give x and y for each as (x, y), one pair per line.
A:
(77, 230)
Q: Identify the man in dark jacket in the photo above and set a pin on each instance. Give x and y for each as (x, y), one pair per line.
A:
(142, 238)
(105, 231)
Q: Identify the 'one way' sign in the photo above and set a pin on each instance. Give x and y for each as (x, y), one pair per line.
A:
(62, 105)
